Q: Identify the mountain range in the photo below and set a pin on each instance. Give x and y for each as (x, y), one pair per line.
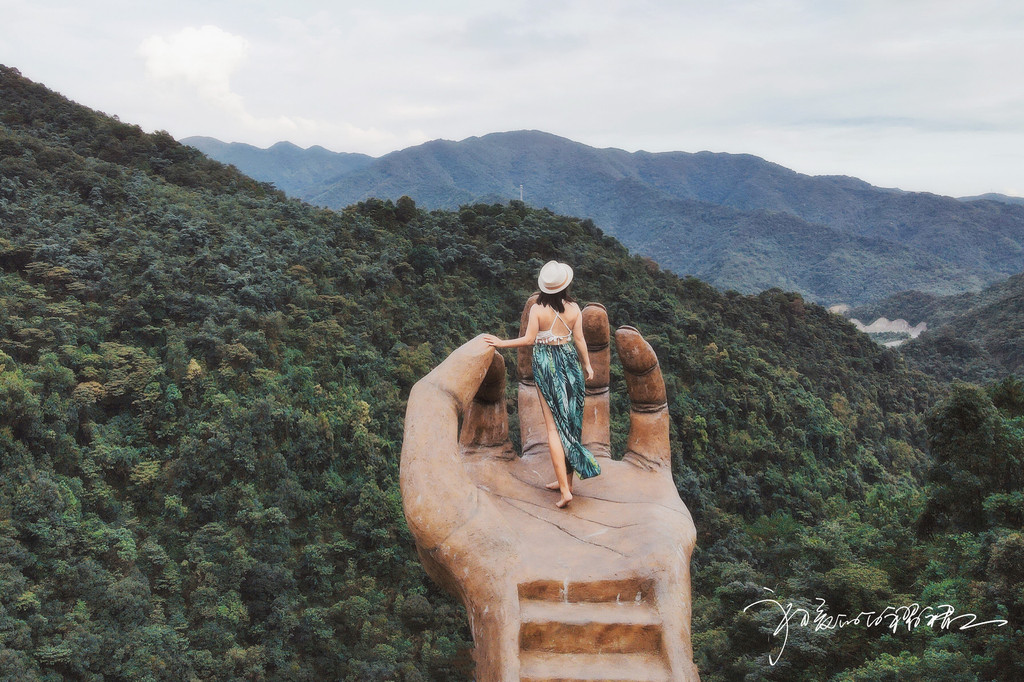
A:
(735, 220)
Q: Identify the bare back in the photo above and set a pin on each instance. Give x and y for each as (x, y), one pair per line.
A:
(558, 324)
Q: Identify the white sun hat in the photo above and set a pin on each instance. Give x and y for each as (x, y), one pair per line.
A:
(554, 277)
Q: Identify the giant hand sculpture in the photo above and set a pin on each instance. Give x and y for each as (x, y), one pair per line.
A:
(600, 590)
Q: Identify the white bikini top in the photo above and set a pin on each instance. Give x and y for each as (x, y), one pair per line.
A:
(548, 337)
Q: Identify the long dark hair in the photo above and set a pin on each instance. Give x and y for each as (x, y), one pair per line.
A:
(556, 300)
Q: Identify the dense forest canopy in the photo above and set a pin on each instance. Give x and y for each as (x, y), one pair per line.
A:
(202, 388)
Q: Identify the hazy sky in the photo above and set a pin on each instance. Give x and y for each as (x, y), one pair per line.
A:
(916, 94)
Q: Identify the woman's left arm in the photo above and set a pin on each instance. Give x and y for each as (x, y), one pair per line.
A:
(581, 345)
(527, 339)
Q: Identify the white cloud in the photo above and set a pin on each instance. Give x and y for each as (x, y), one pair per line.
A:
(204, 58)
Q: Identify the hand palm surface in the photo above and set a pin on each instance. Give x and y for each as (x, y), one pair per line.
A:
(537, 580)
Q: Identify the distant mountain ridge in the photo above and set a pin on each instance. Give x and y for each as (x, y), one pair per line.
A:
(290, 167)
(973, 336)
(995, 196)
(735, 220)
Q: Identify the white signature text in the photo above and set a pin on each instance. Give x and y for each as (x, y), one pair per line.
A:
(891, 617)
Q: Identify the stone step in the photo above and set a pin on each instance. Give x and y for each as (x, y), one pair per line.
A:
(581, 613)
(598, 627)
(624, 590)
(541, 666)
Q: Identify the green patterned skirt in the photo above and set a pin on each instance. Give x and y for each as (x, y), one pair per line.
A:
(559, 375)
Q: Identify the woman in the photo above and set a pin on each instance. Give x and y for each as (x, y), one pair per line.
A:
(559, 375)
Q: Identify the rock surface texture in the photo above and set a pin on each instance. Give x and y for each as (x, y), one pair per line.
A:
(597, 591)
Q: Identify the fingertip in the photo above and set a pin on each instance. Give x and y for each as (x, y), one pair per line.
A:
(596, 329)
(635, 353)
(644, 381)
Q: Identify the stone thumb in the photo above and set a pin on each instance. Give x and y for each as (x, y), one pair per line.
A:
(437, 493)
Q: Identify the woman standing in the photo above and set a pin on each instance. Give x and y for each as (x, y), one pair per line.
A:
(559, 374)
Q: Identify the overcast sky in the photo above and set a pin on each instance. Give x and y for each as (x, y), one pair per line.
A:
(921, 95)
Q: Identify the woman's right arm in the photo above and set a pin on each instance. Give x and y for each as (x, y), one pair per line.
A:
(527, 339)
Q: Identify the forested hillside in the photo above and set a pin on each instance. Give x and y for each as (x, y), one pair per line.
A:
(202, 388)
(971, 336)
(734, 220)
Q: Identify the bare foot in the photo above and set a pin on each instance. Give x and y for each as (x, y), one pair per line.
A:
(554, 486)
(566, 499)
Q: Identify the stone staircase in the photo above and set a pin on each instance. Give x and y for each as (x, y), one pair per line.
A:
(596, 630)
